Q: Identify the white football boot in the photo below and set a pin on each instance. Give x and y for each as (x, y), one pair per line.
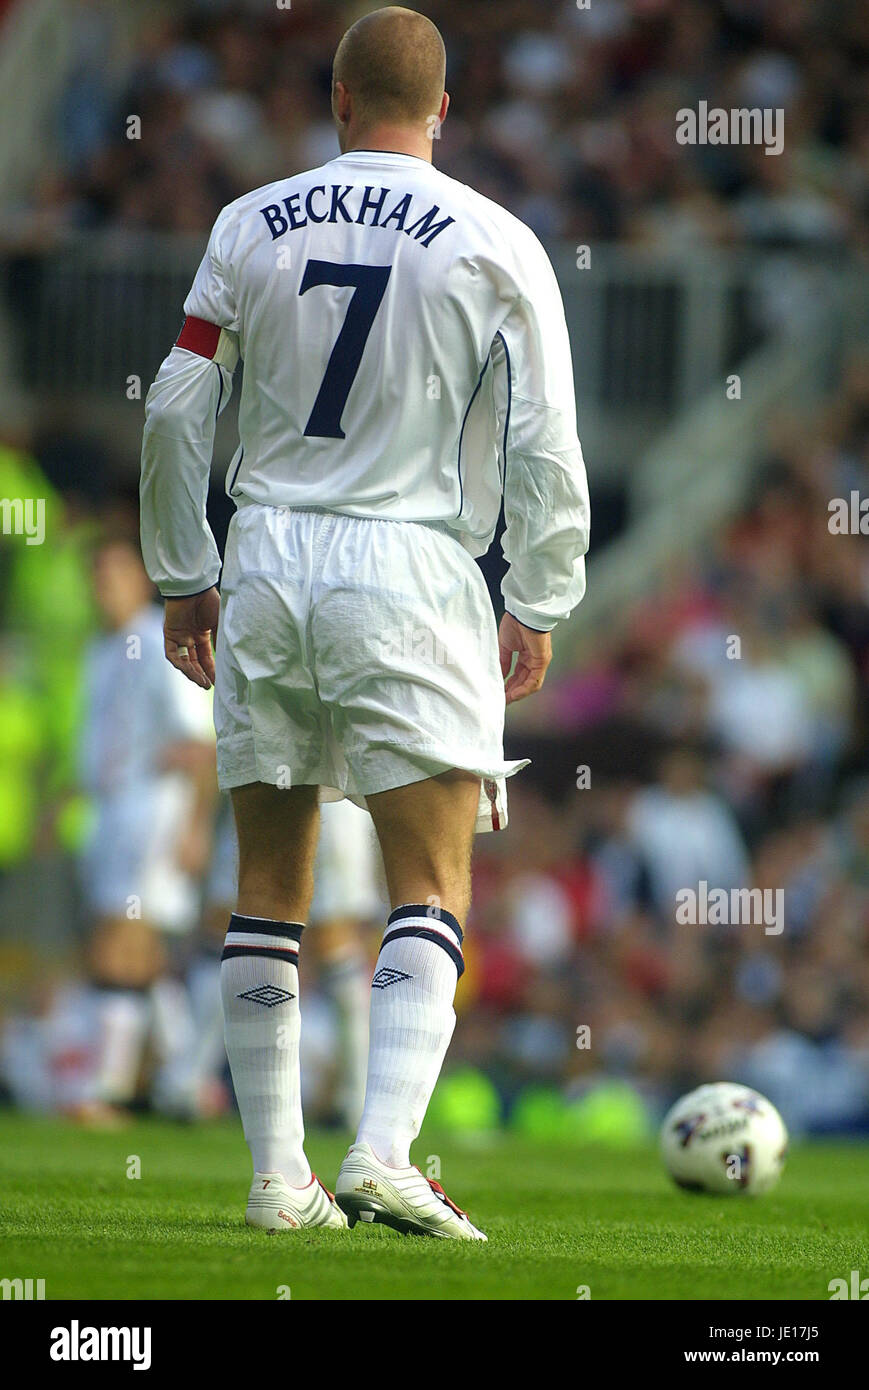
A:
(275, 1206)
(367, 1190)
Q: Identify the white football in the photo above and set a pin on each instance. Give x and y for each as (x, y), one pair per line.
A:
(724, 1138)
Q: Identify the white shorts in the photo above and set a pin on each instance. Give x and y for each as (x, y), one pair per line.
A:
(129, 862)
(358, 655)
(347, 867)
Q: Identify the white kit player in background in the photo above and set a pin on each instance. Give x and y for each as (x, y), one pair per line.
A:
(146, 759)
(406, 363)
(348, 899)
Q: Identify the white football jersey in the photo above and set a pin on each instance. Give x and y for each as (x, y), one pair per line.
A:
(136, 706)
(405, 357)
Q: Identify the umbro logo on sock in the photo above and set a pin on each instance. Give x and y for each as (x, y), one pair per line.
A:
(386, 976)
(268, 995)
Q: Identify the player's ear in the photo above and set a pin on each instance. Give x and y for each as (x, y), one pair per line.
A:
(340, 103)
(445, 104)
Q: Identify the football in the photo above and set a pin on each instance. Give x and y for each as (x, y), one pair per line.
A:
(724, 1138)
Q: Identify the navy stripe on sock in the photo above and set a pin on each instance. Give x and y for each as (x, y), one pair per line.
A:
(275, 952)
(434, 937)
(437, 914)
(259, 926)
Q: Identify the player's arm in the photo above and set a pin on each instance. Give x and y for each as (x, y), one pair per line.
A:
(190, 390)
(545, 488)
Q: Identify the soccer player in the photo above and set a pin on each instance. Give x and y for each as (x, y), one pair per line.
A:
(147, 761)
(347, 901)
(406, 362)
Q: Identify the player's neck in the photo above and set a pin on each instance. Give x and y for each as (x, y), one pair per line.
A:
(391, 140)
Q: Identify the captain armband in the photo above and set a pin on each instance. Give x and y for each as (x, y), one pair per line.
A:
(208, 340)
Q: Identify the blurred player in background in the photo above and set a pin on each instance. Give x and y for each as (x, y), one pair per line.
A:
(406, 361)
(147, 761)
(347, 899)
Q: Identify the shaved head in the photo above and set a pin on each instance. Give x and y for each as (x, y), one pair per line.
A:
(393, 65)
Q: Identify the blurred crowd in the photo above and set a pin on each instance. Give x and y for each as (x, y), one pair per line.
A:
(564, 112)
(718, 734)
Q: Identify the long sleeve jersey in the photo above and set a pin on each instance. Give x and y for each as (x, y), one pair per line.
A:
(405, 356)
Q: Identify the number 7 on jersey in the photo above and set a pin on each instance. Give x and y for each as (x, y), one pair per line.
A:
(369, 281)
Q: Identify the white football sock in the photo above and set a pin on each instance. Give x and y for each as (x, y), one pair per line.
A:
(412, 1021)
(203, 982)
(171, 1018)
(123, 1019)
(259, 985)
(347, 982)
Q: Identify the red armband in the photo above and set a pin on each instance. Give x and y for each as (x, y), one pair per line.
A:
(199, 336)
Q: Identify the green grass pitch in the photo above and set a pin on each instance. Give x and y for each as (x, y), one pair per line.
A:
(557, 1219)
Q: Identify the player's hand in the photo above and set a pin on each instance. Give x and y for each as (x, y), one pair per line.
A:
(187, 627)
(533, 654)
